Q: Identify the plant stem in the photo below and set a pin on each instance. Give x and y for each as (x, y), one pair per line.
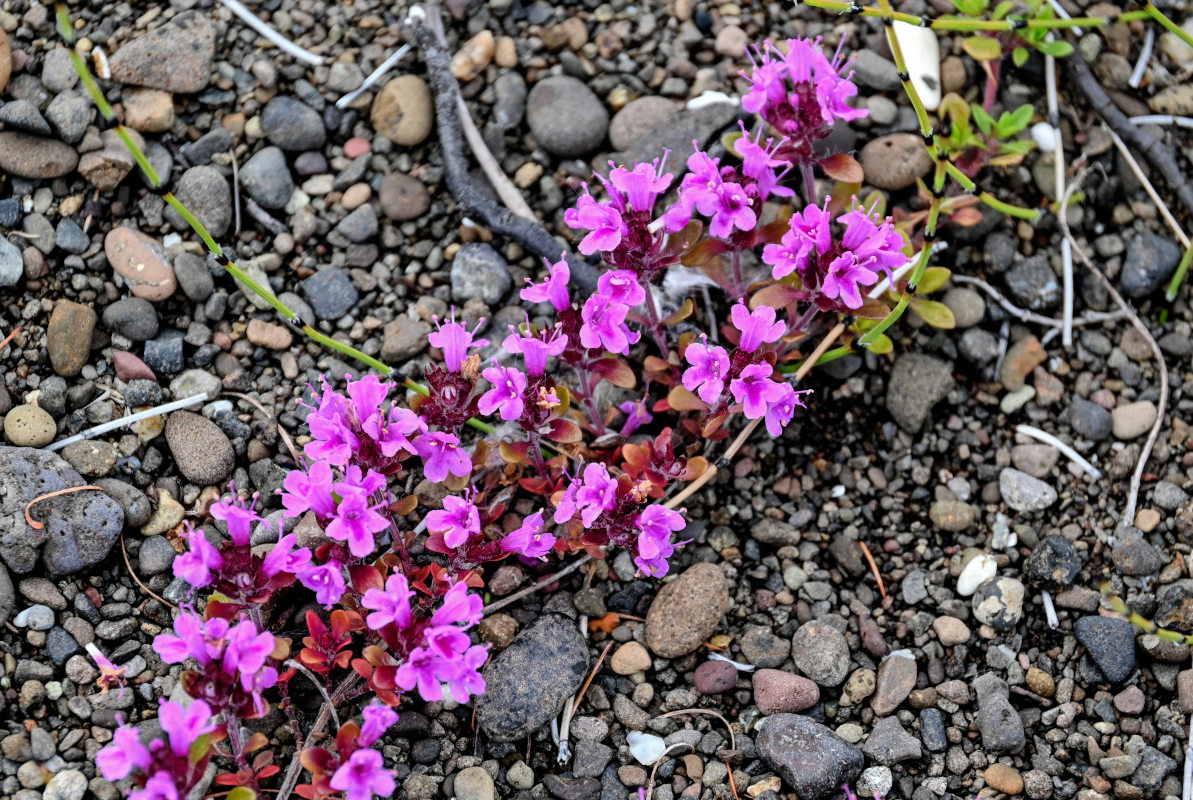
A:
(809, 183)
(1179, 276)
(586, 398)
(656, 324)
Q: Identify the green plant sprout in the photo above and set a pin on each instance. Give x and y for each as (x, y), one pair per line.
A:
(976, 139)
(989, 48)
(66, 30)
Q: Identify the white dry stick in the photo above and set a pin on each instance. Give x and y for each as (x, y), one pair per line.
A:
(1145, 55)
(1066, 263)
(1058, 165)
(1187, 791)
(250, 19)
(1163, 119)
(1070, 453)
(1049, 609)
(1147, 186)
(100, 430)
(374, 76)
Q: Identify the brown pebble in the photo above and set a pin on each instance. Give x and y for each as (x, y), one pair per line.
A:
(268, 335)
(1005, 779)
(631, 657)
(776, 692)
(68, 337)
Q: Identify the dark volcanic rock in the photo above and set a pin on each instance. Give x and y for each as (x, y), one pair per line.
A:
(813, 760)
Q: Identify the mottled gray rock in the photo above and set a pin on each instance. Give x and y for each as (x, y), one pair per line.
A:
(266, 177)
(998, 722)
(889, 743)
(813, 760)
(566, 117)
(821, 652)
(917, 383)
(479, 273)
(1053, 564)
(292, 125)
(1150, 262)
(1022, 492)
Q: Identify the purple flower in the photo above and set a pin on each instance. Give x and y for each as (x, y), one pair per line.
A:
(326, 581)
(877, 244)
(160, 786)
(506, 395)
(239, 516)
(756, 328)
(466, 679)
(184, 725)
(356, 522)
(378, 718)
(782, 408)
(309, 491)
(529, 540)
(604, 325)
(247, 649)
(284, 557)
(642, 185)
(602, 220)
(621, 286)
(759, 164)
(705, 189)
(554, 290)
(701, 182)
(455, 341)
(706, 376)
(331, 429)
(637, 415)
(655, 524)
(808, 230)
(362, 776)
(755, 390)
(367, 395)
(535, 348)
(842, 279)
(441, 454)
(196, 565)
(117, 760)
(596, 495)
(459, 607)
(196, 638)
(391, 430)
(458, 521)
(391, 605)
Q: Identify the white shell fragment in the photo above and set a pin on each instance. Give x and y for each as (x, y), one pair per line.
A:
(1042, 133)
(978, 569)
(646, 747)
(921, 52)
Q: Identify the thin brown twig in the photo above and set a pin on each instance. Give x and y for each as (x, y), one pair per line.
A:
(1147, 187)
(1128, 516)
(129, 565)
(10, 336)
(37, 526)
(873, 568)
(580, 695)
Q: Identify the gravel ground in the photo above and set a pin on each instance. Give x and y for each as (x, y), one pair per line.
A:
(949, 684)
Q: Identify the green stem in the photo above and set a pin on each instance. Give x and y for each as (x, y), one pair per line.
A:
(964, 25)
(1168, 24)
(1179, 276)
(1019, 212)
(871, 336)
(831, 355)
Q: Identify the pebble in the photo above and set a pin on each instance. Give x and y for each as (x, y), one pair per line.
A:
(167, 515)
(107, 167)
(997, 720)
(330, 292)
(520, 775)
(479, 273)
(1134, 555)
(821, 652)
(93, 458)
(967, 306)
(206, 192)
(5, 60)
(12, 264)
(637, 118)
(1040, 682)
(176, 57)
(1110, 643)
(776, 691)
(68, 337)
(872, 71)
(268, 335)
(36, 618)
(148, 110)
(201, 450)
(894, 161)
(1022, 492)
(895, 680)
(292, 125)
(35, 157)
(69, 784)
(917, 383)
(875, 782)
(474, 783)
(889, 743)
(360, 225)
(156, 555)
(70, 237)
(134, 318)
(40, 590)
(686, 611)
(135, 504)
(951, 515)
(566, 117)
(529, 682)
(403, 197)
(631, 657)
(998, 602)
(1037, 460)
(762, 648)
(142, 262)
(266, 177)
(810, 758)
(1004, 779)
(22, 115)
(403, 111)
(164, 354)
(951, 631)
(80, 527)
(1132, 420)
(1022, 357)
(474, 56)
(70, 114)
(715, 677)
(1090, 420)
(404, 338)
(1053, 564)
(1176, 100)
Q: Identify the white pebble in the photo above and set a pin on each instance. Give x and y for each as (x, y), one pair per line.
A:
(645, 747)
(921, 54)
(1042, 133)
(978, 569)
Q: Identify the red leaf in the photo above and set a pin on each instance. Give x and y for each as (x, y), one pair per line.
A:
(565, 431)
(365, 577)
(616, 371)
(842, 167)
(777, 295)
(680, 399)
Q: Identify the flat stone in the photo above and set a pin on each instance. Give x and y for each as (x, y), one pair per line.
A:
(330, 292)
(1004, 779)
(68, 337)
(205, 191)
(142, 262)
(1111, 645)
(176, 57)
(266, 177)
(35, 157)
(403, 197)
(894, 161)
(1132, 420)
(1022, 357)
(686, 611)
(134, 318)
(292, 125)
(1022, 492)
(889, 743)
(895, 680)
(997, 720)
(201, 450)
(631, 657)
(29, 426)
(566, 117)
(821, 652)
(776, 691)
(479, 272)
(714, 677)
(1151, 259)
(638, 117)
(404, 111)
(810, 758)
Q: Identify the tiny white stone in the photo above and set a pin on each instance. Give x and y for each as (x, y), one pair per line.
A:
(646, 747)
(977, 570)
(1042, 133)
(709, 98)
(921, 54)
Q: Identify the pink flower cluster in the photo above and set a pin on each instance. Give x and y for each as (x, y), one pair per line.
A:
(620, 228)
(361, 772)
(434, 651)
(168, 768)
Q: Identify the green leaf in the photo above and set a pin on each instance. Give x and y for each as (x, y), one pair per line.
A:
(881, 345)
(199, 748)
(971, 8)
(935, 313)
(933, 279)
(982, 48)
(1002, 9)
(983, 120)
(242, 793)
(1012, 122)
(1019, 56)
(1018, 147)
(1056, 48)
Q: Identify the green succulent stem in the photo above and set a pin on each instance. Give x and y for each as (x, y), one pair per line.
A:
(1159, 16)
(1178, 277)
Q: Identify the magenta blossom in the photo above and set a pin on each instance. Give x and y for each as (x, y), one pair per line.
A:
(391, 606)
(554, 290)
(639, 188)
(362, 776)
(285, 557)
(529, 540)
(622, 286)
(710, 366)
(603, 221)
(705, 189)
(309, 491)
(378, 718)
(126, 753)
(656, 523)
(239, 516)
(326, 581)
(757, 328)
(782, 408)
(755, 390)
(505, 397)
(160, 786)
(455, 341)
(592, 495)
(604, 325)
(441, 454)
(458, 521)
(637, 415)
(356, 522)
(184, 725)
(535, 348)
(196, 565)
